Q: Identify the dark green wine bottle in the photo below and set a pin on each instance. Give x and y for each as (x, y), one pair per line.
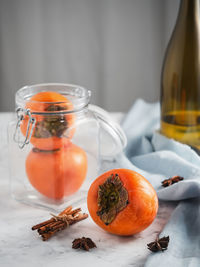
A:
(180, 81)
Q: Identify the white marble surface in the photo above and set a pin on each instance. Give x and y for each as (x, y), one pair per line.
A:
(20, 246)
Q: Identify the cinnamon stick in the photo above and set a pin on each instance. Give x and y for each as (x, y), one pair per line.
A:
(57, 223)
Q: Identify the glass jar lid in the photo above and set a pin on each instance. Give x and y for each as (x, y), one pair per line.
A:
(77, 95)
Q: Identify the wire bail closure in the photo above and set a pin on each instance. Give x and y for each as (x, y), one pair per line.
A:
(21, 113)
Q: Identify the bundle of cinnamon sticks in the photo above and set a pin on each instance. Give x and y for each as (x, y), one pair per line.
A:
(57, 223)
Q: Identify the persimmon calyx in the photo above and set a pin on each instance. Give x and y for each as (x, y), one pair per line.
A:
(112, 198)
(37, 150)
(52, 125)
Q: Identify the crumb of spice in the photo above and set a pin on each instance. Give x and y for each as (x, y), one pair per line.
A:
(172, 180)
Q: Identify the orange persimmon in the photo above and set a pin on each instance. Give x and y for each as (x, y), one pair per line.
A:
(58, 173)
(122, 202)
(50, 129)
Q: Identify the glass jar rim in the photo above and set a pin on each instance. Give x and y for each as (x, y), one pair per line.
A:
(78, 95)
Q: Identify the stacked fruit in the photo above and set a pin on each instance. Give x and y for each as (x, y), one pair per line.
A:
(55, 166)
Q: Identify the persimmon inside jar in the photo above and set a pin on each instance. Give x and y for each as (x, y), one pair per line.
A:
(55, 144)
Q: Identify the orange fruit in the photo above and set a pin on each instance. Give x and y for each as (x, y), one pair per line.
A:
(122, 202)
(51, 131)
(59, 173)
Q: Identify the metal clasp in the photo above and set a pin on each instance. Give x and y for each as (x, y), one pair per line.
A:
(21, 113)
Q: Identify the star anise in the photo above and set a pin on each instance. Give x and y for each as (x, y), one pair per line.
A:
(160, 244)
(173, 180)
(84, 243)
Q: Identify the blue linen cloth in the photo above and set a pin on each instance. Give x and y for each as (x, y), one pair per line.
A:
(157, 158)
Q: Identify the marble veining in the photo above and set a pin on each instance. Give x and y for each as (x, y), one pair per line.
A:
(20, 246)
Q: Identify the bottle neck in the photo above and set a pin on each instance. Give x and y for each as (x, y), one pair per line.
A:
(189, 9)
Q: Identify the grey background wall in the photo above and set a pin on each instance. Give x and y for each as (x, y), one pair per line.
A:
(114, 48)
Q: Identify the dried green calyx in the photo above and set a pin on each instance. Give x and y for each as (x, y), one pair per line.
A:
(112, 198)
(37, 150)
(51, 125)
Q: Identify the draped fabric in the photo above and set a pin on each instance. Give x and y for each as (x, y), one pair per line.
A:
(158, 158)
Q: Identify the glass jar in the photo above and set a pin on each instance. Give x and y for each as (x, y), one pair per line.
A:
(57, 144)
